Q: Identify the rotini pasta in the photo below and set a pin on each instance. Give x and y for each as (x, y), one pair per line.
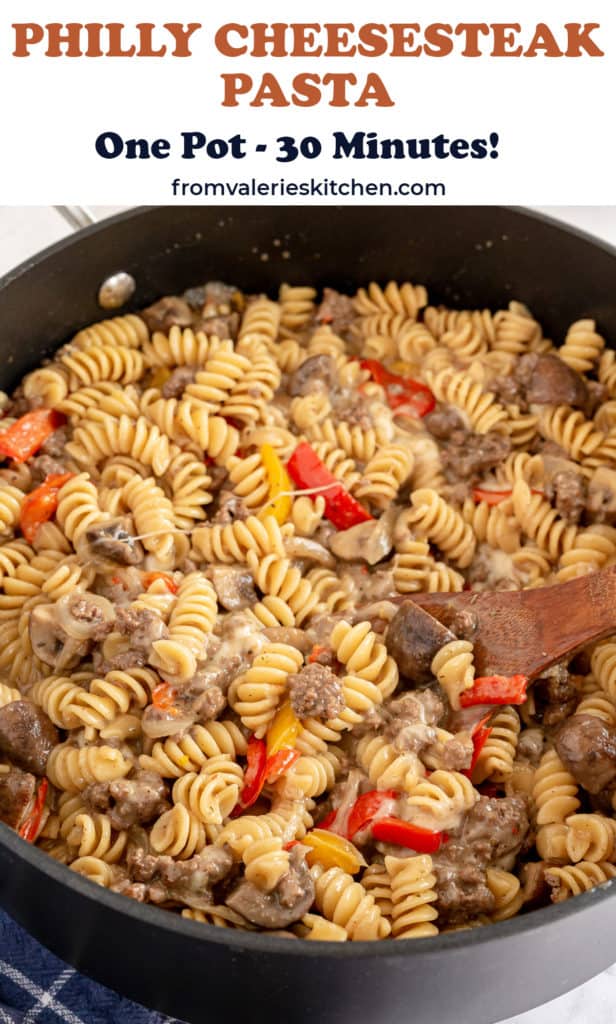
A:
(201, 626)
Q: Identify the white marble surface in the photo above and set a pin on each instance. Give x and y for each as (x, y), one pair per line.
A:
(24, 230)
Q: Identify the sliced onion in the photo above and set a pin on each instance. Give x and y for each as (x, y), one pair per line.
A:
(348, 793)
(466, 719)
(81, 629)
(157, 727)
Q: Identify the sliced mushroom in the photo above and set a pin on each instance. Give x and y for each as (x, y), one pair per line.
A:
(113, 541)
(85, 616)
(50, 642)
(413, 638)
(288, 902)
(310, 550)
(369, 542)
(234, 586)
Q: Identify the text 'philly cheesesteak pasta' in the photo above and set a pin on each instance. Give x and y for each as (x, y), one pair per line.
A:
(215, 697)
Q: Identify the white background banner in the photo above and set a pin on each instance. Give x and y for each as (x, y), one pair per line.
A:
(466, 129)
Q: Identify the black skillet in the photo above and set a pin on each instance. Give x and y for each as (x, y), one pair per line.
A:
(468, 257)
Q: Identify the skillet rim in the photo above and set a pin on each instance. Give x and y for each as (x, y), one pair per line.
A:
(255, 942)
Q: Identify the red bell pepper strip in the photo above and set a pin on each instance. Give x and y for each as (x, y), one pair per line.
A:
(495, 497)
(163, 699)
(490, 497)
(366, 809)
(307, 471)
(328, 821)
(403, 833)
(41, 504)
(150, 577)
(479, 735)
(410, 397)
(254, 776)
(495, 690)
(279, 763)
(30, 827)
(29, 432)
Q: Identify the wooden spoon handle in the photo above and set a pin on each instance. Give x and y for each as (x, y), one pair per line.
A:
(529, 630)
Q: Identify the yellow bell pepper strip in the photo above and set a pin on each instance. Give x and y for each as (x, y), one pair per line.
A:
(495, 690)
(280, 741)
(280, 501)
(26, 435)
(332, 851)
(284, 729)
(307, 471)
(30, 827)
(41, 504)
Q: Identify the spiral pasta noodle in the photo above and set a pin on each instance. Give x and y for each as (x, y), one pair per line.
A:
(453, 667)
(256, 695)
(347, 904)
(441, 524)
(507, 892)
(210, 795)
(386, 767)
(441, 798)
(72, 769)
(232, 543)
(178, 348)
(412, 565)
(582, 346)
(177, 833)
(153, 515)
(603, 665)
(102, 362)
(541, 523)
(175, 756)
(384, 475)
(590, 837)
(288, 598)
(554, 790)
(498, 752)
(296, 308)
(100, 436)
(412, 893)
(570, 430)
(482, 409)
(406, 298)
(573, 879)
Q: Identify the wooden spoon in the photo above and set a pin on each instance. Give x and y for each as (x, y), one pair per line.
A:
(528, 630)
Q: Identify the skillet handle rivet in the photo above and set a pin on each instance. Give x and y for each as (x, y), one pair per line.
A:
(116, 290)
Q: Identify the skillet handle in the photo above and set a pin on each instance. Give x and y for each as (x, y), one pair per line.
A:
(76, 216)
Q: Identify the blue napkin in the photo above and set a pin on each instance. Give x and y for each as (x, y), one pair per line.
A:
(37, 988)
